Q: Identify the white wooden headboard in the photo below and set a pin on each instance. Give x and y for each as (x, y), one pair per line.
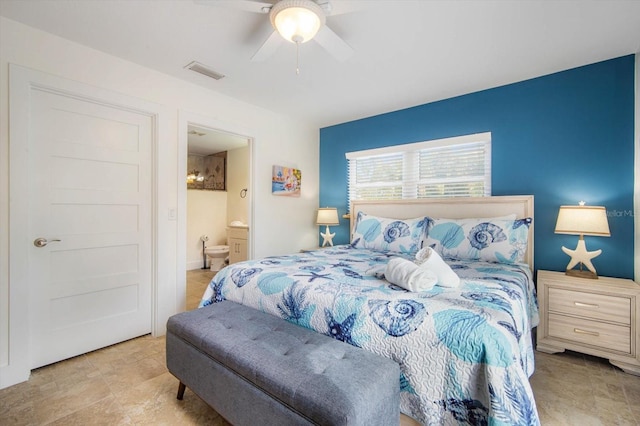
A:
(452, 208)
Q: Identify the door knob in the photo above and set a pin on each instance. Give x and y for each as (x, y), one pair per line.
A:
(41, 242)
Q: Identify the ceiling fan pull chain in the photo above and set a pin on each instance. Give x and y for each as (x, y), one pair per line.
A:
(297, 58)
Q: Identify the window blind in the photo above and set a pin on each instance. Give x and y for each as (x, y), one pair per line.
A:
(453, 167)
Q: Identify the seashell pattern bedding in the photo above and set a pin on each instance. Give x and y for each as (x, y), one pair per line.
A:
(465, 353)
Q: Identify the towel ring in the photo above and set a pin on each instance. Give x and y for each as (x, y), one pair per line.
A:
(243, 193)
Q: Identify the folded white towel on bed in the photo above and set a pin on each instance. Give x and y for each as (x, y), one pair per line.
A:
(428, 258)
(408, 275)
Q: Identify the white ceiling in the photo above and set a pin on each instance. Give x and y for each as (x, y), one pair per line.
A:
(204, 141)
(407, 53)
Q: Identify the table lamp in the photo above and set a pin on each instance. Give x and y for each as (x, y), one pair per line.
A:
(327, 216)
(582, 220)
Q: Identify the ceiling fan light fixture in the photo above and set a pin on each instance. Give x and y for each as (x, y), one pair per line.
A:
(297, 21)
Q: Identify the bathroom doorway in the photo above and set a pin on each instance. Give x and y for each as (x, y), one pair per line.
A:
(214, 189)
(217, 189)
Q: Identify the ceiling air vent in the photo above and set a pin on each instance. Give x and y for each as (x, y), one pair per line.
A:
(204, 70)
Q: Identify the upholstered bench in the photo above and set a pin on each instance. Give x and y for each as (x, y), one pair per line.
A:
(254, 368)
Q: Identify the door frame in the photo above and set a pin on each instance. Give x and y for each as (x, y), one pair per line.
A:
(186, 119)
(21, 81)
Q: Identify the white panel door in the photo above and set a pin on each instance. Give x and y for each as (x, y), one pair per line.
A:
(89, 186)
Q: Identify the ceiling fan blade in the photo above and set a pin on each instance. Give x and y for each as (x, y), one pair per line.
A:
(244, 5)
(268, 48)
(333, 8)
(333, 44)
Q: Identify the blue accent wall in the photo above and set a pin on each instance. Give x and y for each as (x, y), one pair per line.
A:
(563, 137)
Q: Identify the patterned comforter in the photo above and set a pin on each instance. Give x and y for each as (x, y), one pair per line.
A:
(465, 353)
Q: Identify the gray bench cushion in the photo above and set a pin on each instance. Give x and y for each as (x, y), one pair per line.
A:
(321, 379)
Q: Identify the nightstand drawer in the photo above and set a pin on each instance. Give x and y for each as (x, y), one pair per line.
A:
(590, 305)
(603, 335)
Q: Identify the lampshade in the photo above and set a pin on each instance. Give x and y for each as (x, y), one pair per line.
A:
(583, 220)
(297, 21)
(327, 216)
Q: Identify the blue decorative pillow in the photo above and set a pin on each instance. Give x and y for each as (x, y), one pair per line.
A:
(492, 240)
(397, 235)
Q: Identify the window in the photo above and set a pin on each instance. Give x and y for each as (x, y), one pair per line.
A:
(452, 167)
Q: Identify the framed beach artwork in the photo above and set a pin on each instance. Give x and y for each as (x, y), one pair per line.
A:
(286, 181)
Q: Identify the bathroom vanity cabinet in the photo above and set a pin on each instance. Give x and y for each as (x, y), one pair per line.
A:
(237, 237)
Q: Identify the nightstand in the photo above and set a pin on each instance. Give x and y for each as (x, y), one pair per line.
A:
(596, 317)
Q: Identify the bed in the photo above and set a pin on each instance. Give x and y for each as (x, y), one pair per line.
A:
(466, 352)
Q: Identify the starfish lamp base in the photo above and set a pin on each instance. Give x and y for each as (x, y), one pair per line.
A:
(582, 257)
(581, 274)
(327, 237)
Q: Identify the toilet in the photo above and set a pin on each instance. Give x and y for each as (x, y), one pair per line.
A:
(217, 256)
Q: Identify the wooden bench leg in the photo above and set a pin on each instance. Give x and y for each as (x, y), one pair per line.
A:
(181, 388)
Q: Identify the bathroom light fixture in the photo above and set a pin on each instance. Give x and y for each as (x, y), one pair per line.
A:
(194, 176)
(582, 220)
(327, 216)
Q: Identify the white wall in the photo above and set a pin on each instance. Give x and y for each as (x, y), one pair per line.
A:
(277, 139)
(285, 215)
(237, 180)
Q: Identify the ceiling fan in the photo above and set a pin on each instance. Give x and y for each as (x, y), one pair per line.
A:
(296, 21)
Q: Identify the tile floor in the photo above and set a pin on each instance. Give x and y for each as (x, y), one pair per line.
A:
(128, 384)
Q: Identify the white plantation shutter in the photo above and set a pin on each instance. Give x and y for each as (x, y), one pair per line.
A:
(453, 167)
